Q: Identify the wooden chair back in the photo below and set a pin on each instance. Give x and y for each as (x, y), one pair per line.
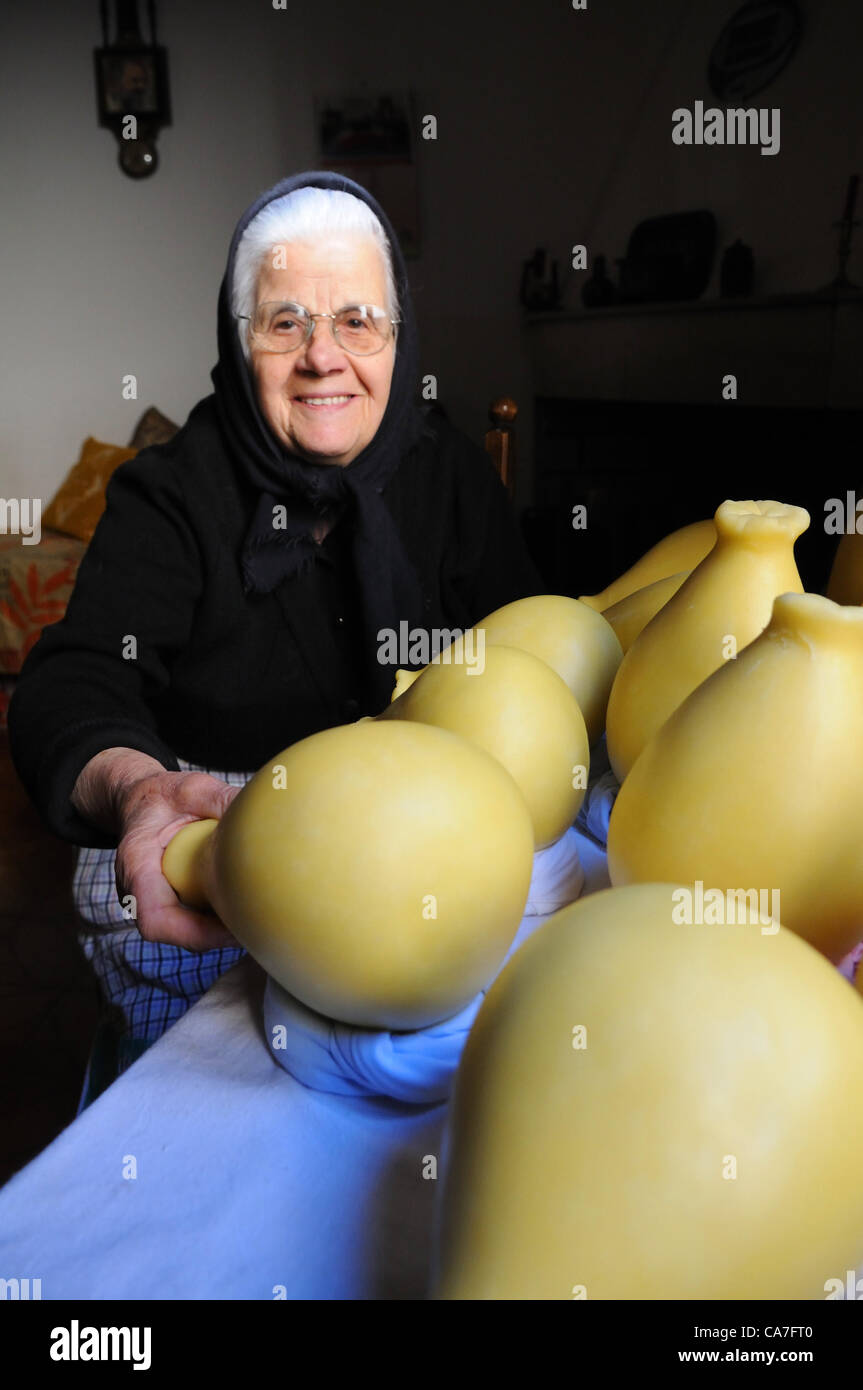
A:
(500, 440)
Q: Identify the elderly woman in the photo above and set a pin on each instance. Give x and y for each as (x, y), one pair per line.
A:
(231, 599)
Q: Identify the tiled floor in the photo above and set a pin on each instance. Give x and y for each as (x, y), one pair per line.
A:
(48, 995)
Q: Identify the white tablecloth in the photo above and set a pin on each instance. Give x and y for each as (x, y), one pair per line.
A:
(248, 1185)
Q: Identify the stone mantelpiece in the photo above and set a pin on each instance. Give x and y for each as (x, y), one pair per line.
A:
(790, 351)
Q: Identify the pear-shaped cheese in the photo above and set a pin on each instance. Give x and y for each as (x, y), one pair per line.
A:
(378, 871)
(754, 786)
(846, 575)
(568, 636)
(630, 615)
(521, 712)
(653, 1109)
(680, 550)
(722, 606)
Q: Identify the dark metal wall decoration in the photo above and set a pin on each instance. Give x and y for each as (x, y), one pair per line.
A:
(753, 48)
(132, 87)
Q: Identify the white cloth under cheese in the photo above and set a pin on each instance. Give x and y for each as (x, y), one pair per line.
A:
(416, 1067)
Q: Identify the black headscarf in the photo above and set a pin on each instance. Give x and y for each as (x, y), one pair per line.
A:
(311, 492)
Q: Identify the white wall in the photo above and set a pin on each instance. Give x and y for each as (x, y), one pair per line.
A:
(104, 275)
(554, 127)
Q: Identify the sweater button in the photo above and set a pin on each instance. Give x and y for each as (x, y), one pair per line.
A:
(351, 709)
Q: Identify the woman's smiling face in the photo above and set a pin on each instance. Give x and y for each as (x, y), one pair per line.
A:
(324, 278)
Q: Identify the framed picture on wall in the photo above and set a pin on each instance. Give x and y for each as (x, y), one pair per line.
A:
(131, 82)
(369, 138)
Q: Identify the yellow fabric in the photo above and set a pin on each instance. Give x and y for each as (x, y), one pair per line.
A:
(80, 501)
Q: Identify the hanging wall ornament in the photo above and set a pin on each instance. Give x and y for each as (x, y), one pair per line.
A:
(754, 46)
(132, 87)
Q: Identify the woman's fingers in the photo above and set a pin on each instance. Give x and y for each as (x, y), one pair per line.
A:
(199, 795)
(155, 817)
(159, 913)
(161, 799)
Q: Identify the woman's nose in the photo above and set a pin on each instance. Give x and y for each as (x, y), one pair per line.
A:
(322, 352)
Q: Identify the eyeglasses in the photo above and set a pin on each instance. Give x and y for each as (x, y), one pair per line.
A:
(279, 326)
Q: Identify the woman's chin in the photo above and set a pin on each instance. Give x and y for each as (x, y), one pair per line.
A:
(325, 456)
(325, 447)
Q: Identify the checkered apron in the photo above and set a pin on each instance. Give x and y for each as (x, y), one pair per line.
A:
(147, 985)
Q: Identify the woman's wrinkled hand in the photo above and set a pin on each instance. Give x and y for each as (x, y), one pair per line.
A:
(134, 796)
(152, 812)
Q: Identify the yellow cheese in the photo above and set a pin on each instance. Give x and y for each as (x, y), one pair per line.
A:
(571, 638)
(754, 783)
(653, 1110)
(378, 871)
(630, 615)
(723, 605)
(680, 550)
(520, 711)
(846, 575)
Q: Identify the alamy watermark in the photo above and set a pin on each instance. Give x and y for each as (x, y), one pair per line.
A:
(715, 907)
(733, 126)
(851, 1288)
(21, 517)
(20, 1289)
(76, 1343)
(421, 646)
(844, 518)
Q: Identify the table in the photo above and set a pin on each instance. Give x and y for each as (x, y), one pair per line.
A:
(207, 1172)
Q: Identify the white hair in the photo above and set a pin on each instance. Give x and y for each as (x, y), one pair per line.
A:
(307, 214)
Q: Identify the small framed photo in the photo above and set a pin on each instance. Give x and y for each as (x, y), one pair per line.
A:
(370, 139)
(132, 82)
(361, 127)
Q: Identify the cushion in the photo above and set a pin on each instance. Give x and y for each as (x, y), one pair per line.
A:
(77, 506)
(35, 584)
(152, 428)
